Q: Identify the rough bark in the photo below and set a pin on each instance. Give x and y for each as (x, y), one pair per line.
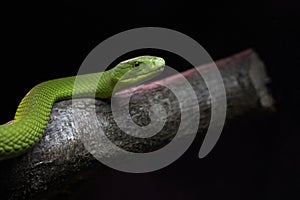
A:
(60, 154)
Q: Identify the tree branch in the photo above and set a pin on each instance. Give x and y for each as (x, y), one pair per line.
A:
(60, 154)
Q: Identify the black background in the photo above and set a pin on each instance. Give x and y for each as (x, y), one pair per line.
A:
(42, 41)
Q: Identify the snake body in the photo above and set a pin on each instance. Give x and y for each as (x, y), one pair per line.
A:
(33, 112)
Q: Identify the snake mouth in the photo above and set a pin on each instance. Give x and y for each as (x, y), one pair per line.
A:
(154, 72)
(138, 78)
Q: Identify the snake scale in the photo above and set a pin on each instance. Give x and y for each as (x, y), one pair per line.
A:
(33, 112)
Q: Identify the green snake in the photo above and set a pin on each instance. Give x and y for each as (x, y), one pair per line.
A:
(33, 112)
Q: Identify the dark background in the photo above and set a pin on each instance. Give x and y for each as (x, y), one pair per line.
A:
(42, 41)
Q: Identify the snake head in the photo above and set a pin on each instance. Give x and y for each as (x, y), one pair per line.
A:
(136, 70)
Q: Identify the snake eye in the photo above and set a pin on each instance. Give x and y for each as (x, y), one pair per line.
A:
(136, 64)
